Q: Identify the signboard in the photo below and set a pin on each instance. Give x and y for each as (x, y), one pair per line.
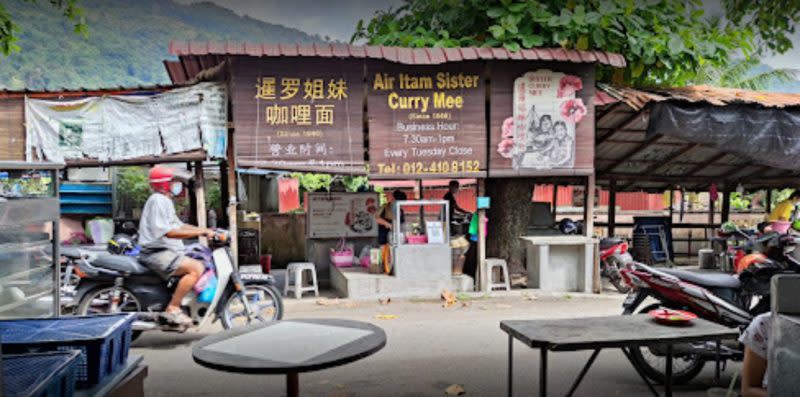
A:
(299, 114)
(435, 232)
(336, 215)
(426, 120)
(119, 127)
(542, 121)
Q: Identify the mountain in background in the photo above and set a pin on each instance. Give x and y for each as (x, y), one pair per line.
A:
(127, 41)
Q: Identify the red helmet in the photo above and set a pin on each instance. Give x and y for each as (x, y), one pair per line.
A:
(160, 178)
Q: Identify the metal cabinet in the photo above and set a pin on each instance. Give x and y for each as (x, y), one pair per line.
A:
(29, 217)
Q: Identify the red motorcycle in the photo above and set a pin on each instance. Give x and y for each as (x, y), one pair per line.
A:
(613, 257)
(722, 298)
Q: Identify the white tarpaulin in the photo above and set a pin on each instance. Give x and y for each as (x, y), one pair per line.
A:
(121, 127)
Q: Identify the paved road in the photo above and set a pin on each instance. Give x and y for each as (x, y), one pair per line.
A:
(429, 348)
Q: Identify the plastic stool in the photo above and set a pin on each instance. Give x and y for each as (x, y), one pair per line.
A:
(489, 266)
(295, 271)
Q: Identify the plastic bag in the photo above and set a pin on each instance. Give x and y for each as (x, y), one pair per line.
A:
(208, 293)
(202, 282)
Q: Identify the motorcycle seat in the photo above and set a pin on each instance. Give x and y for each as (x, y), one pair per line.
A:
(714, 280)
(607, 243)
(121, 263)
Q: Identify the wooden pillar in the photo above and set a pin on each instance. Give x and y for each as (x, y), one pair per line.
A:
(612, 207)
(224, 193)
(555, 200)
(768, 203)
(481, 281)
(200, 198)
(726, 203)
(671, 203)
(190, 195)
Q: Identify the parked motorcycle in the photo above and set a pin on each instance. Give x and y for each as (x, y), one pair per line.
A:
(119, 283)
(722, 298)
(613, 257)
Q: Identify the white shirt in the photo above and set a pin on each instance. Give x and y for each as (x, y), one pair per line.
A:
(756, 338)
(158, 219)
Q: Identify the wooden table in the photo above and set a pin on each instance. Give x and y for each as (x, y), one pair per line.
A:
(289, 347)
(597, 333)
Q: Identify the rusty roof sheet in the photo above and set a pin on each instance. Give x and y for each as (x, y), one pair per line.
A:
(638, 98)
(410, 56)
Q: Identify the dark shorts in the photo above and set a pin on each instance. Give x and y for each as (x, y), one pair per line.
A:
(163, 262)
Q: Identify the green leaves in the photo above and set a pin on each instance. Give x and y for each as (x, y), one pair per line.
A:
(664, 41)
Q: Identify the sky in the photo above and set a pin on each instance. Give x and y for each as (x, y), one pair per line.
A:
(338, 18)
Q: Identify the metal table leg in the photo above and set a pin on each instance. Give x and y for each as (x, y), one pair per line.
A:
(641, 375)
(292, 384)
(543, 373)
(668, 380)
(583, 372)
(510, 365)
(717, 369)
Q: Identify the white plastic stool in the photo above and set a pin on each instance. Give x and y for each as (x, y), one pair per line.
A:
(295, 271)
(489, 266)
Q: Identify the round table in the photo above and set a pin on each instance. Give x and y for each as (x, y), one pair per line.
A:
(289, 347)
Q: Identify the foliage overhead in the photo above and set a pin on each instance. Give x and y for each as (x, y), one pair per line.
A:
(773, 20)
(743, 73)
(664, 41)
(9, 30)
(127, 43)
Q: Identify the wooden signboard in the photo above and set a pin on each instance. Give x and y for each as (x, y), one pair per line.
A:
(299, 113)
(337, 215)
(426, 121)
(542, 119)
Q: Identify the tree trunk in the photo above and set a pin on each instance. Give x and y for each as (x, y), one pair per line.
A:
(508, 219)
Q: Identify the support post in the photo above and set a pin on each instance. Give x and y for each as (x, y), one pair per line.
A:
(224, 192)
(671, 203)
(190, 188)
(484, 284)
(200, 198)
(555, 199)
(768, 205)
(726, 203)
(588, 224)
(612, 207)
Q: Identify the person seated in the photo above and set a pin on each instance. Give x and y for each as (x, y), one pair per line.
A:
(160, 235)
(783, 213)
(450, 196)
(385, 217)
(754, 367)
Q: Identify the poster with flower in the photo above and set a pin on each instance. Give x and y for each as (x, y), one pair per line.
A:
(541, 132)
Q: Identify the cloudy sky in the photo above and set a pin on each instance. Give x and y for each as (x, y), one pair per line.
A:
(337, 18)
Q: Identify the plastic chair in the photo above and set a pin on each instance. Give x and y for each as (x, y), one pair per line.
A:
(489, 266)
(294, 279)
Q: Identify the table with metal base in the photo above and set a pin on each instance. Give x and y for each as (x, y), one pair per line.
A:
(598, 333)
(289, 347)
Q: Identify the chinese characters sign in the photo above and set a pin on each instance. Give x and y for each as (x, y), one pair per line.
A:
(300, 114)
(426, 120)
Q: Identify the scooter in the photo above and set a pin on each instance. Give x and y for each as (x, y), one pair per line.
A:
(119, 283)
(722, 298)
(613, 256)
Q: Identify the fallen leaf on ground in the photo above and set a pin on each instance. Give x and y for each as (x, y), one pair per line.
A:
(386, 317)
(528, 297)
(455, 390)
(503, 306)
(385, 301)
(465, 304)
(328, 302)
(350, 305)
(449, 298)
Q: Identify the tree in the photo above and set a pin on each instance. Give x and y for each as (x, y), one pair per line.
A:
(9, 31)
(664, 41)
(743, 73)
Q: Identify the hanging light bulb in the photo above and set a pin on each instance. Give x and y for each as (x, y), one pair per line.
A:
(740, 189)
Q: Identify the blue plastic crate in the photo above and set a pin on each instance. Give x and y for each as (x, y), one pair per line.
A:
(104, 341)
(40, 374)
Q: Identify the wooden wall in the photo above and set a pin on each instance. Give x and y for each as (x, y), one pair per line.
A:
(12, 129)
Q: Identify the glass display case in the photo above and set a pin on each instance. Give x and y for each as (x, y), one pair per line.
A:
(421, 222)
(29, 216)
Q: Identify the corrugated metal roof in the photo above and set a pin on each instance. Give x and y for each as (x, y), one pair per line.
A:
(638, 98)
(410, 56)
(80, 92)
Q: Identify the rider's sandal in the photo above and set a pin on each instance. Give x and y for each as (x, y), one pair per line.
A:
(177, 318)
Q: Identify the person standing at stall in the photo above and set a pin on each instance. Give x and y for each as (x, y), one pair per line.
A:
(450, 196)
(385, 219)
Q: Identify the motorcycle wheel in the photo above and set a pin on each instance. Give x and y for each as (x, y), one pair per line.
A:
(98, 301)
(612, 267)
(264, 300)
(684, 369)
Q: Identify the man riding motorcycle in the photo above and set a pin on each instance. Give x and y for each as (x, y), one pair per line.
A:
(161, 234)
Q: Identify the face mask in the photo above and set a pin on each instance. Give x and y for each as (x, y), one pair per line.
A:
(176, 188)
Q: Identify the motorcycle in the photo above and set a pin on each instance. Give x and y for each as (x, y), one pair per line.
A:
(613, 257)
(730, 300)
(120, 284)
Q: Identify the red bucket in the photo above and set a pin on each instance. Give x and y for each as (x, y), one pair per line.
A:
(266, 263)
